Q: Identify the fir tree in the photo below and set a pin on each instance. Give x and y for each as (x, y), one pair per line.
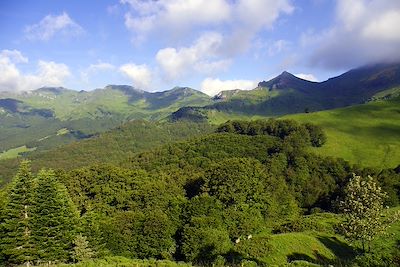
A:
(82, 250)
(54, 219)
(16, 244)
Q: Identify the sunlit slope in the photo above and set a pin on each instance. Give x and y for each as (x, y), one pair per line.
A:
(368, 135)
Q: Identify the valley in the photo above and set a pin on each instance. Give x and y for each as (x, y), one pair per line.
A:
(250, 177)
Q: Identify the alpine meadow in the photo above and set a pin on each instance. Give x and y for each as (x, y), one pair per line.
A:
(179, 133)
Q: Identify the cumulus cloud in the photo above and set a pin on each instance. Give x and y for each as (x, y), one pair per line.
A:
(48, 73)
(201, 57)
(242, 18)
(365, 31)
(235, 25)
(94, 69)
(173, 17)
(212, 86)
(51, 25)
(308, 77)
(140, 75)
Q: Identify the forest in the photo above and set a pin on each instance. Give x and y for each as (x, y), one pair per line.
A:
(218, 198)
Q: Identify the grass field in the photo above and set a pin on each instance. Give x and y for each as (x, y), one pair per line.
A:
(14, 152)
(368, 135)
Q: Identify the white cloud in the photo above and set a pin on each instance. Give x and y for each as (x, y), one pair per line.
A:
(235, 25)
(140, 75)
(14, 56)
(201, 57)
(51, 25)
(48, 73)
(212, 86)
(180, 18)
(384, 27)
(94, 69)
(308, 77)
(365, 31)
(174, 17)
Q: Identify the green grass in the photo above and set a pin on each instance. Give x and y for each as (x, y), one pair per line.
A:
(314, 247)
(368, 135)
(62, 131)
(388, 241)
(125, 262)
(14, 152)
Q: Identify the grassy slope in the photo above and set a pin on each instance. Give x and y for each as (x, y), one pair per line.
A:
(14, 152)
(368, 135)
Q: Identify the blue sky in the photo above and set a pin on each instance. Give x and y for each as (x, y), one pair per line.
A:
(210, 45)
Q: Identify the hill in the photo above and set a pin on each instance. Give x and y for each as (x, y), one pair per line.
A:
(367, 134)
(287, 94)
(47, 117)
(112, 147)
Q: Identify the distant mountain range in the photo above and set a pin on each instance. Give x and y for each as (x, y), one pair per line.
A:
(48, 117)
(288, 94)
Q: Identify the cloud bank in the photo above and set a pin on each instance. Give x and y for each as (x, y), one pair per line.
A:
(365, 32)
(212, 86)
(48, 73)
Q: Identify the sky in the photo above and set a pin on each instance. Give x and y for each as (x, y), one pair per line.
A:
(209, 45)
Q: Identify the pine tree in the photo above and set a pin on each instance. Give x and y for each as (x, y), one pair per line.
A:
(82, 251)
(54, 219)
(16, 244)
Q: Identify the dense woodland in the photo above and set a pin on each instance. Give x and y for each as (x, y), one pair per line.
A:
(214, 199)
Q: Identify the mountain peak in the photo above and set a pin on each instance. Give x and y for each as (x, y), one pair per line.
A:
(285, 80)
(124, 88)
(53, 90)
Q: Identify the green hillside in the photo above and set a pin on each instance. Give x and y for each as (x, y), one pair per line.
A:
(250, 194)
(288, 94)
(368, 135)
(113, 146)
(34, 119)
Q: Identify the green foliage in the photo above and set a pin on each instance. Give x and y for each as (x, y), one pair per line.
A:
(363, 207)
(204, 238)
(112, 261)
(54, 219)
(82, 250)
(112, 147)
(284, 129)
(253, 248)
(16, 244)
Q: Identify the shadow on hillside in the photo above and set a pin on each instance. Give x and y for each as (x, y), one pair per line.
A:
(339, 248)
(342, 251)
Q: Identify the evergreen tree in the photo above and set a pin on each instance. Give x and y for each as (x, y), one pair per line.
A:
(54, 219)
(16, 244)
(82, 251)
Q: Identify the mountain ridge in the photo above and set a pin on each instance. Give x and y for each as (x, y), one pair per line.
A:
(37, 118)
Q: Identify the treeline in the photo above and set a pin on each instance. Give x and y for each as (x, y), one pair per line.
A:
(280, 128)
(203, 201)
(111, 147)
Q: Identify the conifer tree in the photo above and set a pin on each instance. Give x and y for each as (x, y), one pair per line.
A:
(54, 219)
(82, 250)
(16, 244)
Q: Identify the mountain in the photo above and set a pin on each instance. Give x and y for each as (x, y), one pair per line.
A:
(51, 116)
(288, 94)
